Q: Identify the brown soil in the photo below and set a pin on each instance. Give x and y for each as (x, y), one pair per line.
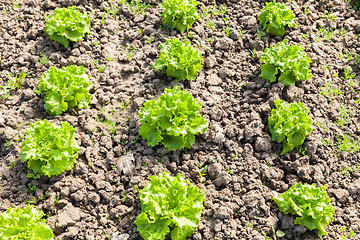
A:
(97, 200)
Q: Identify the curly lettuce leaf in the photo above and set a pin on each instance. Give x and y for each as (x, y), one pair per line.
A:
(180, 14)
(173, 120)
(290, 63)
(311, 204)
(65, 88)
(49, 149)
(289, 123)
(179, 60)
(25, 223)
(169, 205)
(67, 24)
(275, 16)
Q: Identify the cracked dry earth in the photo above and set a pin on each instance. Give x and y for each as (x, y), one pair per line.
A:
(97, 200)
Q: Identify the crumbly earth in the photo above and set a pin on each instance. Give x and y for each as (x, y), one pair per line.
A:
(98, 199)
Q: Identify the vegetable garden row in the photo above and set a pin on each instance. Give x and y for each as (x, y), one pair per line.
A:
(173, 207)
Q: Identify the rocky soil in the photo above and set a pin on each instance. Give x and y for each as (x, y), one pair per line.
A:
(98, 199)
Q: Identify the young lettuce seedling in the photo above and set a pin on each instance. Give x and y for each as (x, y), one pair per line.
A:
(275, 16)
(49, 149)
(310, 204)
(169, 206)
(67, 24)
(24, 223)
(289, 123)
(67, 87)
(180, 14)
(173, 120)
(286, 63)
(179, 60)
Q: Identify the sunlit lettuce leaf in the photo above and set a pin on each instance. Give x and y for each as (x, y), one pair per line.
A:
(67, 24)
(67, 87)
(310, 204)
(288, 63)
(173, 120)
(169, 206)
(179, 60)
(275, 16)
(289, 123)
(24, 223)
(180, 14)
(49, 149)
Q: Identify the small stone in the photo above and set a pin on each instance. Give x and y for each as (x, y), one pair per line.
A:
(94, 197)
(214, 170)
(272, 173)
(68, 216)
(210, 62)
(222, 180)
(263, 144)
(293, 93)
(223, 44)
(253, 129)
(341, 195)
(222, 213)
(214, 79)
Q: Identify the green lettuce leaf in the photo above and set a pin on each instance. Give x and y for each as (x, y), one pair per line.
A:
(289, 123)
(180, 14)
(25, 223)
(310, 204)
(49, 149)
(67, 24)
(289, 62)
(65, 88)
(173, 120)
(275, 16)
(179, 60)
(169, 205)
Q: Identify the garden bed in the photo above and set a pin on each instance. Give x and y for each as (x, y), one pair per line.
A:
(99, 197)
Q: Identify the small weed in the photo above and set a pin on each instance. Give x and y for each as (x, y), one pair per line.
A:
(43, 59)
(343, 236)
(227, 30)
(345, 170)
(123, 104)
(101, 68)
(260, 34)
(123, 196)
(345, 115)
(13, 83)
(347, 144)
(113, 167)
(202, 173)
(109, 123)
(253, 53)
(331, 90)
(31, 188)
(306, 11)
(210, 24)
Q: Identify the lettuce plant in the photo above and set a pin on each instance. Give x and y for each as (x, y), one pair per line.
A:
(180, 14)
(275, 16)
(289, 64)
(179, 60)
(67, 87)
(310, 204)
(24, 223)
(67, 24)
(169, 205)
(173, 120)
(49, 149)
(289, 123)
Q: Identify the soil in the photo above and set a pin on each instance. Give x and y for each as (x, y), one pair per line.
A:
(98, 199)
